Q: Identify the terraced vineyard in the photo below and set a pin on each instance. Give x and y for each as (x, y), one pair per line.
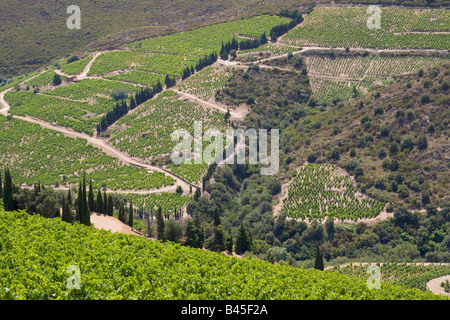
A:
(409, 275)
(321, 190)
(76, 67)
(205, 83)
(112, 61)
(36, 254)
(379, 67)
(347, 27)
(139, 77)
(205, 40)
(78, 115)
(89, 88)
(368, 70)
(44, 79)
(327, 92)
(169, 202)
(145, 133)
(37, 155)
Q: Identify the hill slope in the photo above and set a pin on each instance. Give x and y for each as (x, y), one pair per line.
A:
(36, 253)
(398, 136)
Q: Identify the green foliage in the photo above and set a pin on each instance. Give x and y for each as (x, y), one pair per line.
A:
(413, 276)
(51, 158)
(320, 190)
(184, 273)
(346, 27)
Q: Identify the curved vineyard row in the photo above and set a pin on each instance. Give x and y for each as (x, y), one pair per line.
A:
(36, 253)
(208, 39)
(347, 27)
(37, 155)
(408, 275)
(205, 83)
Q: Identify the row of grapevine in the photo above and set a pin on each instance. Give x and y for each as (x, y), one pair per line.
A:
(406, 274)
(208, 39)
(205, 83)
(39, 255)
(347, 27)
(37, 155)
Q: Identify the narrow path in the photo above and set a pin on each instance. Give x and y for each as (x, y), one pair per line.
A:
(435, 285)
(97, 142)
(109, 149)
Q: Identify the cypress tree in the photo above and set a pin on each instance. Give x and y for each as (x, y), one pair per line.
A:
(80, 209)
(192, 234)
(243, 242)
(216, 217)
(1, 185)
(100, 202)
(110, 206)
(130, 215)
(159, 224)
(133, 104)
(318, 263)
(8, 202)
(91, 198)
(218, 243)
(67, 210)
(105, 203)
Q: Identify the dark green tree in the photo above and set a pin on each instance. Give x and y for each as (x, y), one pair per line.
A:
(67, 215)
(318, 263)
(1, 185)
(110, 206)
(216, 217)
(130, 215)
(56, 80)
(159, 224)
(91, 201)
(243, 242)
(8, 190)
(100, 202)
(192, 237)
(105, 203)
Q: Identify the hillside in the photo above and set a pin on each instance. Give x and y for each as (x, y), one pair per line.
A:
(398, 136)
(35, 33)
(37, 252)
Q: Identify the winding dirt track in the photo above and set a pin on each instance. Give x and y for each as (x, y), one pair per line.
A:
(98, 142)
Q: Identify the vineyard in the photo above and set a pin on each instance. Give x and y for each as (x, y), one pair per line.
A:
(205, 83)
(112, 61)
(89, 88)
(169, 202)
(79, 115)
(372, 66)
(321, 190)
(327, 92)
(409, 275)
(146, 132)
(76, 67)
(43, 79)
(208, 39)
(363, 71)
(138, 77)
(37, 252)
(347, 27)
(37, 155)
